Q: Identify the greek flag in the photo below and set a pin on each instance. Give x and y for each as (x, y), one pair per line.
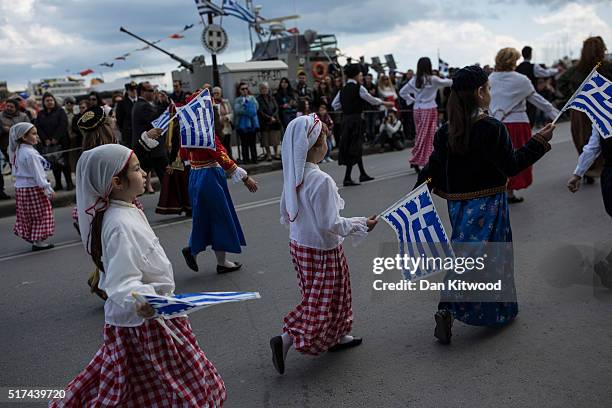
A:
(171, 306)
(420, 233)
(197, 122)
(443, 66)
(163, 121)
(595, 99)
(231, 8)
(206, 7)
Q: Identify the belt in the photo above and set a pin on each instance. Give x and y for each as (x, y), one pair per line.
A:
(470, 195)
(206, 164)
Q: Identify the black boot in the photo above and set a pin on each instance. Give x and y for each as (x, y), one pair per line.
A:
(190, 260)
(444, 324)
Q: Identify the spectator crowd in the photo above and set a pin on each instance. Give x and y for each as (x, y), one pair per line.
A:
(252, 119)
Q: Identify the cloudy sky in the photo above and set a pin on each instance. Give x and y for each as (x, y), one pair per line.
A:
(50, 38)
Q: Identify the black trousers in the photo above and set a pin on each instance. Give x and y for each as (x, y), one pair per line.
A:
(62, 167)
(249, 148)
(606, 188)
(149, 163)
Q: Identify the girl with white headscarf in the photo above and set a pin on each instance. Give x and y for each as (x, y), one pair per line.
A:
(310, 207)
(34, 215)
(139, 363)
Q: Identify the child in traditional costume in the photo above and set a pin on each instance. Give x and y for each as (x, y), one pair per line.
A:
(139, 363)
(310, 207)
(215, 222)
(469, 167)
(33, 192)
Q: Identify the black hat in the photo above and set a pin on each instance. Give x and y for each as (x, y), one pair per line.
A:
(91, 118)
(469, 78)
(352, 70)
(131, 85)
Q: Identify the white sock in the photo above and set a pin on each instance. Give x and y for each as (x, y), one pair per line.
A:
(345, 339)
(222, 261)
(287, 343)
(42, 243)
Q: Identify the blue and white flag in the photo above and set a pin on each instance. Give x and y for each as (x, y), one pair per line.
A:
(420, 233)
(443, 67)
(163, 121)
(206, 7)
(595, 99)
(231, 8)
(197, 122)
(177, 305)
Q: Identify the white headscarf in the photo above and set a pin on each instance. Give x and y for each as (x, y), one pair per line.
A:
(301, 134)
(94, 174)
(16, 133)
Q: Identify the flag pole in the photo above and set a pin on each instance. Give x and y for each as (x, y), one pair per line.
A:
(570, 100)
(403, 198)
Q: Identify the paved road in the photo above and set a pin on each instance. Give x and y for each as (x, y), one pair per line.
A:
(558, 352)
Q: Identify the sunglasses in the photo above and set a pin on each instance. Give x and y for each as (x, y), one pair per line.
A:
(244, 89)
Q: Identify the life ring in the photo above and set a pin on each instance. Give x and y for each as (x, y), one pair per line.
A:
(319, 70)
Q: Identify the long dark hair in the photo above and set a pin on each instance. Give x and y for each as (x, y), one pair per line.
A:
(289, 91)
(461, 108)
(593, 51)
(423, 71)
(96, 229)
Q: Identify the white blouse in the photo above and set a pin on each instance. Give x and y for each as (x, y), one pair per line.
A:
(29, 169)
(318, 223)
(590, 152)
(133, 260)
(509, 93)
(424, 97)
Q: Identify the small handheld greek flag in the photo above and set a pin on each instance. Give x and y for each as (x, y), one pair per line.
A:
(164, 120)
(177, 305)
(197, 122)
(594, 98)
(420, 233)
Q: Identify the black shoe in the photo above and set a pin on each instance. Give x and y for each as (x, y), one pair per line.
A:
(76, 227)
(4, 196)
(365, 178)
(416, 168)
(604, 270)
(515, 200)
(225, 269)
(276, 344)
(190, 259)
(348, 183)
(42, 247)
(444, 324)
(58, 187)
(70, 187)
(343, 346)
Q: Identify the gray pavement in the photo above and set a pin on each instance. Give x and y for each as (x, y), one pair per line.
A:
(558, 353)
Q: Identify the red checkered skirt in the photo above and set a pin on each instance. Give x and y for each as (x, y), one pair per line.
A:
(143, 366)
(520, 133)
(325, 313)
(425, 121)
(35, 221)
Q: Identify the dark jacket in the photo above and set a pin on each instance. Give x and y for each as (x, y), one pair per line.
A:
(268, 108)
(143, 113)
(123, 114)
(53, 125)
(485, 168)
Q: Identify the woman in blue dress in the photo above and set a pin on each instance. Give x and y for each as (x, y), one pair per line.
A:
(469, 167)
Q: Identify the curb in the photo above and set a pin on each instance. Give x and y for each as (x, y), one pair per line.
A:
(68, 198)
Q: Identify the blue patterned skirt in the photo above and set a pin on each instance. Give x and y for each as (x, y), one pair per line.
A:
(215, 222)
(476, 223)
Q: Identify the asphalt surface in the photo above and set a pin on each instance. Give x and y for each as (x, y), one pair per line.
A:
(558, 353)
